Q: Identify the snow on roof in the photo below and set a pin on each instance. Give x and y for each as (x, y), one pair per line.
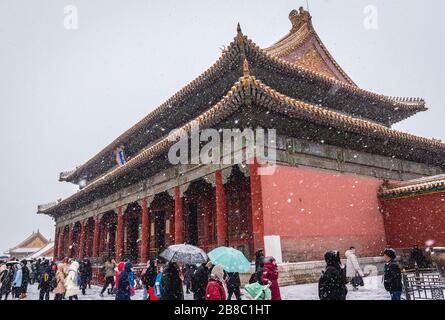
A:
(23, 250)
(41, 253)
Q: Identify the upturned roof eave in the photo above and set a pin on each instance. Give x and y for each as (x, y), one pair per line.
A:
(218, 111)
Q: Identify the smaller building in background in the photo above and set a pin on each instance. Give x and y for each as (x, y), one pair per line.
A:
(414, 212)
(35, 242)
(47, 252)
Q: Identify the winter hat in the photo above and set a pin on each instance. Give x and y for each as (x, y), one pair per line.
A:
(390, 252)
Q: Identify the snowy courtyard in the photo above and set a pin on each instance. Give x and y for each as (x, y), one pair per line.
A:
(373, 290)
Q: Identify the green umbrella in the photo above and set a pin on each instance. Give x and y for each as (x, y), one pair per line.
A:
(258, 291)
(231, 259)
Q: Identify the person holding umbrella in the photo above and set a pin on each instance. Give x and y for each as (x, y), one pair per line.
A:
(172, 283)
(199, 281)
(6, 279)
(233, 285)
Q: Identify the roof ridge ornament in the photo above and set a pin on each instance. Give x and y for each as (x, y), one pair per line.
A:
(299, 18)
(239, 34)
(246, 71)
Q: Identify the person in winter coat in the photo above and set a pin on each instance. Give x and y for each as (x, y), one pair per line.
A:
(84, 277)
(332, 283)
(158, 289)
(392, 278)
(60, 289)
(233, 285)
(45, 284)
(123, 284)
(17, 284)
(25, 279)
(417, 258)
(216, 286)
(148, 280)
(6, 279)
(38, 270)
(270, 276)
(120, 268)
(89, 272)
(352, 267)
(72, 281)
(256, 276)
(172, 283)
(109, 267)
(132, 277)
(32, 274)
(199, 282)
(189, 271)
(259, 256)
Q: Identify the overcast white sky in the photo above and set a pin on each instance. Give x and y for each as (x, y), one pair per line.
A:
(65, 94)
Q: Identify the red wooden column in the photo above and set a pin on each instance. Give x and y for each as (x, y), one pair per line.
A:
(179, 217)
(145, 231)
(257, 206)
(221, 211)
(70, 241)
(120, 235)
(60, 240)
(82, 240)
(96, 237)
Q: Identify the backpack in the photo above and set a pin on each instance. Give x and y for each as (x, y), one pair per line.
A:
(45, 277)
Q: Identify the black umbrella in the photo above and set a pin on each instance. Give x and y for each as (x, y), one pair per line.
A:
(185, 253)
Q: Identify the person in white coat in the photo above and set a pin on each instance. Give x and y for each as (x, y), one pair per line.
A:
(72, 281)
(352, 267)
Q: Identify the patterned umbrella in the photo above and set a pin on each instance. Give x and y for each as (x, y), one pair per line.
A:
(231, 259)
(185, 253)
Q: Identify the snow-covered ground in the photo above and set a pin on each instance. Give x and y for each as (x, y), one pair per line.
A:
(373, 290)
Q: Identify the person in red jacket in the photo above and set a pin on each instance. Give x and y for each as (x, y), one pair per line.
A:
(270, 275)
(120, 268)
(216, 286)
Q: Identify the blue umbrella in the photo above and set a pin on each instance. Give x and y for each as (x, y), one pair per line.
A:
(231, 259)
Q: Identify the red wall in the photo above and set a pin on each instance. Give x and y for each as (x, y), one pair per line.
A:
(415, 220)
(316, 210)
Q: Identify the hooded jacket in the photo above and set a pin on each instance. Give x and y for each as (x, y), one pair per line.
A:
(216, 286)
(72, 288)
(120, 268)
(124, 285)
(270, 273)
(172, 283)
(332, 283)
(199, 282)
(18, 277)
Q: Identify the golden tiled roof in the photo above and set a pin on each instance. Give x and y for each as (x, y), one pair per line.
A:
(234, 52)
(412, 187)
(266, 97)
(302, 33)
